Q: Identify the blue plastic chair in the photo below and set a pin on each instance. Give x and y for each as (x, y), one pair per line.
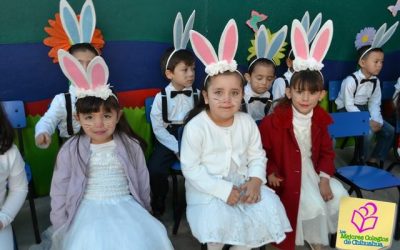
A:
(333, 92)
(16, 115)
(361, 177)
(387, 90)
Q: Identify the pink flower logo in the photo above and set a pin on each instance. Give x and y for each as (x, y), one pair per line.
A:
(363, 218)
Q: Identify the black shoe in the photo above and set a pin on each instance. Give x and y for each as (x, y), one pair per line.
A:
(158, 206)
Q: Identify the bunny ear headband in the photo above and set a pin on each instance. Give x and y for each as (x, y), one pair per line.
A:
(90, 82)
(226, 50)
(181, 36)
(310, 58)
(376, 39)
(266, 48)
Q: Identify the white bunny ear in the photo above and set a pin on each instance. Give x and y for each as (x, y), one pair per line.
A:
(97, 72)
(379, 34)
(315, 25)
(305, 21)
(202, 48)
(229, 42)
(386, 36)
(73, 70)
(87, 21)
(261, 42)
(70, 22)
(277, 42)
(322, 41)
(178, 29)
(188, 27)
(299, 41)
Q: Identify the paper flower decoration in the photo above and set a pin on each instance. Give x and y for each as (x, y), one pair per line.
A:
(58, 39)
(278, 56)
(255, 18)
(365, 37)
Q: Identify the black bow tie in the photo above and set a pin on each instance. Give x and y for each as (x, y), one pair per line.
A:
(261, 99)
(368, 80)
(185, 92)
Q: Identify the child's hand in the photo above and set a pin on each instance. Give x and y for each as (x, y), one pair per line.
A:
(375, 126)
(43, 140)
(274, 181)
(251, 190)
(234, 197)
(325, 189)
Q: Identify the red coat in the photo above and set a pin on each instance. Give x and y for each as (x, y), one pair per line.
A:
(284, 157)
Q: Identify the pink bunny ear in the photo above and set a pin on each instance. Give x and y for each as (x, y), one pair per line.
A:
(299, 40)
(229, 42)
(98, 72)
(202, 48)
(322, 41)
(73, 69)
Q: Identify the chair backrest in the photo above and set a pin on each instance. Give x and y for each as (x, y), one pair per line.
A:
(349, 124)
(148, 103)
(16, 113)
(333, 90)
(387, 90)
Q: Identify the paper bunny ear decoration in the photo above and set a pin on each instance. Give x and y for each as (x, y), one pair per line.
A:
(368, 36)
(78, 31)
(311, 30)
(226, 50)
(90, 82)
(268, 49)
(181, 36)
(306, 58)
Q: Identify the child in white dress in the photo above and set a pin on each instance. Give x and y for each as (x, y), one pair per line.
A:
(223, 161)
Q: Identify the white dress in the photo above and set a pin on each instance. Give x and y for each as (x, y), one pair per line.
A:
(108, 217)
(316, 218)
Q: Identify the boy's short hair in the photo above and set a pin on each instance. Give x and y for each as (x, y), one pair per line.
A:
(179, 56)
(254, 61)
(362, 50)
(83, 47)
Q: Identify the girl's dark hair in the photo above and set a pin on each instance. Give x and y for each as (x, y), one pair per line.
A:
(201, 105)
(182, 55)
(260, 61)
(6, 132)
(310, 80)
(83, 47)
(362, 50)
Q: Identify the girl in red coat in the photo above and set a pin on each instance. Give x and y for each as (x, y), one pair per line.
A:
(299, 149)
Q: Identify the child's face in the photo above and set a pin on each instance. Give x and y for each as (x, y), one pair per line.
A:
(84, 57)
(224, 96)
(304, 100)
(372, 64)
(182, 76)
(99, 126)
(261, 78)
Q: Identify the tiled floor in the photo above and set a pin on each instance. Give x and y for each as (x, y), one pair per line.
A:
(183, 240)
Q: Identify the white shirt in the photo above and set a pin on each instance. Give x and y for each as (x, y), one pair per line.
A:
(363, 96)
(178, 108)
(12, 173)
(256, 109)
(207, 151)
(279, 86)
(56, 115)
(396, 90)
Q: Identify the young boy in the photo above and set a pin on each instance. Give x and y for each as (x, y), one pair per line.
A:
(168, 112)
(281, 83)
(62, 108)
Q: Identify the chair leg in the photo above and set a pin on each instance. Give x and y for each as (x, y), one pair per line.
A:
(262, 248)
(332, 240)
(33, 214)
(391, 166)
(14, 239)
(358, 192)
(175, 202)
(203, 247)
(397, 228)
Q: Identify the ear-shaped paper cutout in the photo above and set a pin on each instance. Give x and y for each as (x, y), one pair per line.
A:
(202, 48)
(229, 42)
(87, 21)
(277, 42)
(378, 36)
(178, 29)
(188, 28)
(70, 22)
(299, 40)
(97, 72)
(313, 29)
(382, 39)
(73, 70)
(305, 21)
(261, 42)
(322, 41)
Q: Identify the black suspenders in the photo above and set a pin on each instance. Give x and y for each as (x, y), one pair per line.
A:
(356, 81)
(164, 104)
(68, 105)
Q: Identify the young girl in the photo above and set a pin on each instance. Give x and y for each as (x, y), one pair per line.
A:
(13, 182)
(223, 161)
(299, 150)
(100, 194)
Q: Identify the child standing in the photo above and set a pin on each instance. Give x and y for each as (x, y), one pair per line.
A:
(169, 109)
(261, 72)
(61, 112)
(299, 148)
(100, 196)
(13, 182)
(223, 161)
(361, 91)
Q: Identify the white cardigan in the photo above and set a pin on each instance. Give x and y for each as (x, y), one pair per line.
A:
(208, 149)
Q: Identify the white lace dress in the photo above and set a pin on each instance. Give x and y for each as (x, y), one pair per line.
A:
(316, 218)
(108, 216)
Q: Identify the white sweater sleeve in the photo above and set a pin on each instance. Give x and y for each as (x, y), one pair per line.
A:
(374, 104)
(53, 116)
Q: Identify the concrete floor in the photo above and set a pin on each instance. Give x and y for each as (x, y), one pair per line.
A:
(183, 240)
